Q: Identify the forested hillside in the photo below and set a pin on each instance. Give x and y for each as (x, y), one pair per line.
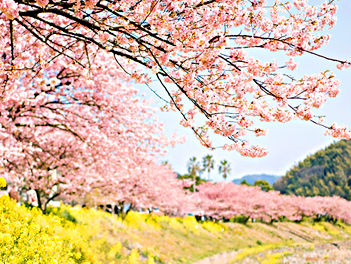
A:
(325, 173)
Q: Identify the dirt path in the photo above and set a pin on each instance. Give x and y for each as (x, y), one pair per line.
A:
(331, 253)
(335, 253)
(222, 258)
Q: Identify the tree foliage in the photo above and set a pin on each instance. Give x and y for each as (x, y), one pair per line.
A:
(194, 166)
(197, 50)
(224, 168)
(325, 173)
(244, 182)
(264, 185)
(208, 164)
(191, 178)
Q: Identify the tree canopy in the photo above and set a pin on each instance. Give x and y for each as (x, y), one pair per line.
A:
(197, 50)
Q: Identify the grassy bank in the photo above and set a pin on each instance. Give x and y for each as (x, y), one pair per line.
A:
(81, 235)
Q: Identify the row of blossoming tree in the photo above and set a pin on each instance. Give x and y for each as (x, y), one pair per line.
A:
(225, 200)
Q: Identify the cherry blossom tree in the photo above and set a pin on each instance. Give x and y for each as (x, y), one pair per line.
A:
(56, 163)
(197, 50)
(227, 200)
(58, 119)
(152, 186)
(65, 128)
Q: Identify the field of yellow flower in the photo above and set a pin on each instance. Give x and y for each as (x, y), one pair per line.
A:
(82, 235)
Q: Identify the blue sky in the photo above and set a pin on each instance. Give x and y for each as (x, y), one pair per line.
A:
(286, 143)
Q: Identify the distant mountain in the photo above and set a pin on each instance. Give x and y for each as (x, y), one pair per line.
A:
(325, 173)
(250, 179)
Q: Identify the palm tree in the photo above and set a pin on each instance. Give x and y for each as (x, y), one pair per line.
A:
(208, 164)
(224, 168)
(193, 168)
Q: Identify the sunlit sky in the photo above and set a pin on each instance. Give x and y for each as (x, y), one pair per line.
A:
(286, 143)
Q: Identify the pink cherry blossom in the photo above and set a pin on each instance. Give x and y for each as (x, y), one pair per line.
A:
(199, 52)
(229, 200)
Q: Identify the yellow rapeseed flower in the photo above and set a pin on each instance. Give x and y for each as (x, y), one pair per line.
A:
(2, 182)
